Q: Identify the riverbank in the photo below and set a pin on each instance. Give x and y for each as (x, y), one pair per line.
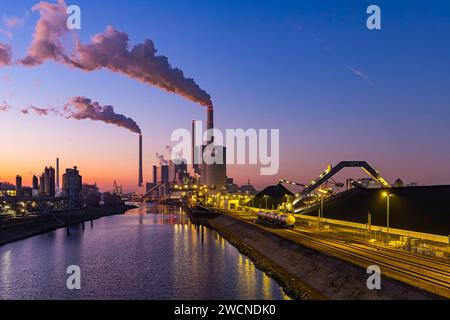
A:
(22, 228)
(304, 273)
(238, 236)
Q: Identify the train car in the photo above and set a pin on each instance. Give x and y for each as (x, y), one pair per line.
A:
(286, 220)
(276, 220)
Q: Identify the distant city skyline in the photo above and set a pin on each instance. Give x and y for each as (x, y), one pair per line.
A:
(336, 90)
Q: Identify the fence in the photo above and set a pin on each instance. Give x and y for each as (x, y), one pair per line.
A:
(417, 242)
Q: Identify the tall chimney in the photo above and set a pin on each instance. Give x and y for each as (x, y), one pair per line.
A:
(195, 150)
(57, 173)
(141, 178)
(210, 123)
(155, 175)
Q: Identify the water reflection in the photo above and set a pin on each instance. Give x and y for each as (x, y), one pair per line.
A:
(151, 252)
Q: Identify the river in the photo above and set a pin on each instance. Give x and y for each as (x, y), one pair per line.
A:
(152, 252)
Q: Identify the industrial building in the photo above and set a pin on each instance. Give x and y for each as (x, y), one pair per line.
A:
(7, 190)
(213, 175)
(248, 189)
(47, 186)
(72, 186)
(178, 171)
(35, 183)
(44, 186)
(167, 176)
(19, 192)
(164, 174)
(271, 197)
(57, 175)
(210, 174)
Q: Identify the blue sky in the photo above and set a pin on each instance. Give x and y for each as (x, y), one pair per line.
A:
(267, 64)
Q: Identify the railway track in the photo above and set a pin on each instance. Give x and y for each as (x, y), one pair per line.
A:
(430, 279)
(432, 275)
(396, 254)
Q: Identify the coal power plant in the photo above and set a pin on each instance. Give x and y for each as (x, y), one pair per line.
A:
(169, 175)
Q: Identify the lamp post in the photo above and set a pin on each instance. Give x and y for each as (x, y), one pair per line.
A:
(321, 207)
(288, 201)
(322, 194)
(388, 196)
(266, 196)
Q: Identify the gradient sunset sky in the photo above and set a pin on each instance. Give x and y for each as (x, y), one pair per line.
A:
(336, 90)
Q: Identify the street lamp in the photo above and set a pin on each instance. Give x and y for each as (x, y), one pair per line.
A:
(388, 196)
(322, 194)
(288, 201)
(266, 196)
(321, 207)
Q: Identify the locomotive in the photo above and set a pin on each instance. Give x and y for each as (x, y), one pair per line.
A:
(276, 220)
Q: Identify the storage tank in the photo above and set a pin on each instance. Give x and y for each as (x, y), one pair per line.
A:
(277, 220)
(287, 220)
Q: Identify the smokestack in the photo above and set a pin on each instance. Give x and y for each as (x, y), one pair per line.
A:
(195, 158)
(155, 175)
(210, 123)
(57, 173)
(141, 179)
(193, 144)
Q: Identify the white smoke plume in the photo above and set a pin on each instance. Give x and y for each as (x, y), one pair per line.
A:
(40, 111)
(161, 160)
(81, 108)
(177, 157)
(49, 31)
(5, 55)
(5, 107)
(109, 50)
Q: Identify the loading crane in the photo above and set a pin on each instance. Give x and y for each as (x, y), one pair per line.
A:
(331, 171)
(284, 181)
(331, 181)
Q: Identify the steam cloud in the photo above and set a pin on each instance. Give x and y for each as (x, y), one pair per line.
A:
(41, 111)
(161, 159)
(109, 50)
(4, 107)
(5, 55)
(178, 157)
(47, 37)
(81, 108)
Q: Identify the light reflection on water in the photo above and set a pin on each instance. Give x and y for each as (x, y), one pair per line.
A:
(152, 252)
